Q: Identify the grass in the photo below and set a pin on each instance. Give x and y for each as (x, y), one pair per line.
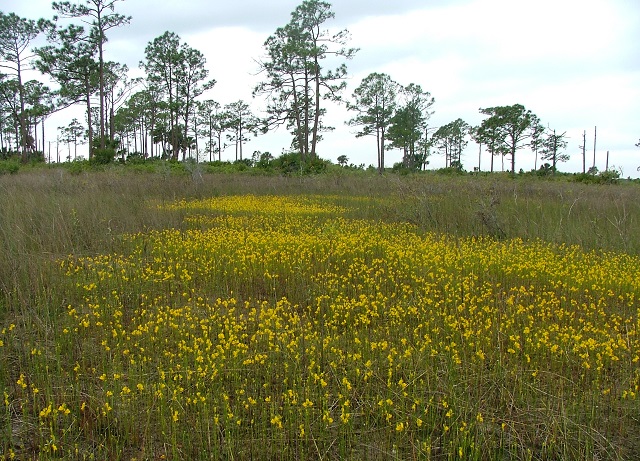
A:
(155, 316)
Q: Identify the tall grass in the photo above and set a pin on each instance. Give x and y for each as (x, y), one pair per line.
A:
(593, 216)
(234, 317)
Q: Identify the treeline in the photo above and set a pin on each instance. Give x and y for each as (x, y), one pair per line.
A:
(166, 115)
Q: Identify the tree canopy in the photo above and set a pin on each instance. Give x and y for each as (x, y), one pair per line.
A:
(296, 81)
(506, 130)
(408, 126)
(100, 16)
(16, 34)
(169, 110)
(375, 102)
(451, 139)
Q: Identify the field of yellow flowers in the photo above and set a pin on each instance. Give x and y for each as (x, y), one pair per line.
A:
(279, 327)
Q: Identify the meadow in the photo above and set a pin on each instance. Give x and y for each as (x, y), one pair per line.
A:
(357, 317)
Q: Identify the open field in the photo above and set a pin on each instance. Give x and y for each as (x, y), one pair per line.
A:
(360, 317)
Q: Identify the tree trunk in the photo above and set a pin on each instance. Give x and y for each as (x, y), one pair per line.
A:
(306, 115)
(135, 139)
(90, 130)
(151, 128)
(378, 146)
(492, 156)
(35, 136)
(316, 121)
(298, 119)
(382, 139)
(17, 135)
(240, 136)
(195, 137)
(210, 139)
(112, 127)
(21, 120)
(101, 72)
(185, 136)
(555, 152)
(513, 160)
(102, 129)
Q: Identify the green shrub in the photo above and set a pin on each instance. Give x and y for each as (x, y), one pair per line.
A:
(288, 163)
(452, 170)
(103, 156)
(135, 158)
(593, 177)
(291, 163)
(9, 166)
(77, 166)
(243, 165)
(609, 177)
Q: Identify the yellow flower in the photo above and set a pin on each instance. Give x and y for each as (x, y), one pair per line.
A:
(21, 381)
(63, 409)
(277, 421)
(46, 411)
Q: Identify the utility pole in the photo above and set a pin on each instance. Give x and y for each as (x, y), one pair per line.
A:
(584, 154)
(595, 128)
(555, 152)
(607, 167)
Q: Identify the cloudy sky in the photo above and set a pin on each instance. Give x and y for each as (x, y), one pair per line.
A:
(574, 63)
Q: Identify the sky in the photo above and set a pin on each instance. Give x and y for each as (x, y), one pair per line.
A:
(574, 63)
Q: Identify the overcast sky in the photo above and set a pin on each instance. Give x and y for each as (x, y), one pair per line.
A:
(574, 63)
